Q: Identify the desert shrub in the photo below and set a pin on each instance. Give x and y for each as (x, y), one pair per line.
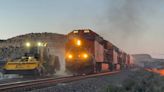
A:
(141, 81)
(112, 88)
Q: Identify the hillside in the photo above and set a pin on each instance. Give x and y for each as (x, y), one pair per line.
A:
(140, 59)
(15, 46)
(19, 41)
(145, 60)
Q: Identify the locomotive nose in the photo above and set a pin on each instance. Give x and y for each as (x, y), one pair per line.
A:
(81, 56)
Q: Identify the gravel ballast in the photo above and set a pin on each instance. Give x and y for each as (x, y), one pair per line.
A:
(97, 84)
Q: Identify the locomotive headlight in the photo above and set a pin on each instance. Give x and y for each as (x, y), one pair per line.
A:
(70, 56)
(78, 42)
(85, 55)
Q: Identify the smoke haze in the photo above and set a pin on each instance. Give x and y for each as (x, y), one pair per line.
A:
(128, 24)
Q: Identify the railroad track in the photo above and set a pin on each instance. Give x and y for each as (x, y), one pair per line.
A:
(46, 82)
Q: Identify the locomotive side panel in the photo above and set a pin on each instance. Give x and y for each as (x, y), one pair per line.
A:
(90, 46)
(109, 55)
(99, 52)
(115, 56)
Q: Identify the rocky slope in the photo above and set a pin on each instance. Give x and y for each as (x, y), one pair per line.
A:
(15, 47)
(140, 59)
(19, 41)
(145, 60)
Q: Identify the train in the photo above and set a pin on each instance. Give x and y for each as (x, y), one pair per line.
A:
(87, 53)
(35, 62)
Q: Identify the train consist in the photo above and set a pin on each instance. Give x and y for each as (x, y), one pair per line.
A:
(87, 52)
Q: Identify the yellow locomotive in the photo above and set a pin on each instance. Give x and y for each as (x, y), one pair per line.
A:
(35, 62)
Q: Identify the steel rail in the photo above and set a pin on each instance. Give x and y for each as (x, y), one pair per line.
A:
(39, 83)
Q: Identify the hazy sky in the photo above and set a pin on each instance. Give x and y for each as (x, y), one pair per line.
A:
(136, 26)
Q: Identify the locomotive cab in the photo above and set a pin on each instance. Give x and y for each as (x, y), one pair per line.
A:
(80, 51)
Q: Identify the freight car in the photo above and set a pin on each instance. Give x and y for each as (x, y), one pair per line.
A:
(35, 62)
(87, 52)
